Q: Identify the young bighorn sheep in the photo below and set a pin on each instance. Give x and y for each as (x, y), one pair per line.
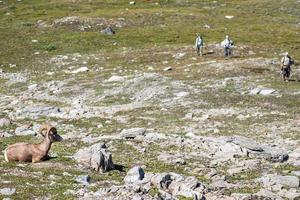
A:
(33, 152)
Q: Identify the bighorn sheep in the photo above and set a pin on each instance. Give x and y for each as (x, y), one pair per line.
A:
(33, 152)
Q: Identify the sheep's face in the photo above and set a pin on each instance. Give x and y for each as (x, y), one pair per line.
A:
(53, 136)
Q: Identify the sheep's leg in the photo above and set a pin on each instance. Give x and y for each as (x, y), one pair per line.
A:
(36, 159)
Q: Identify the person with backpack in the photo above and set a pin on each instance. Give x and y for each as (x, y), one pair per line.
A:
(286, 63)
(228, 44)
(199, 44)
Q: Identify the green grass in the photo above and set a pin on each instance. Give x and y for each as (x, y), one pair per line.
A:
(254, 24)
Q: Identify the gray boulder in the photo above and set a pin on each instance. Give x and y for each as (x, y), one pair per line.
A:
(178, 185)
(272, 180)
(258, 150)
(267, 195)
(190, 187)
(4, 122)
(132, 133)
(134, 175)
(25, 130)
(7, 191)
(95, 157)
(172, 159)
(108, 31)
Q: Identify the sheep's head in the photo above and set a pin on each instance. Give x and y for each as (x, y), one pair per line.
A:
(53, 136)
(50, 132)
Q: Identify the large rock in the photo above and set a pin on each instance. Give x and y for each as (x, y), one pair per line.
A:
(271, 180)
(134, 175)
(25, 130)
(258, 150)
(190, 187)
(108, 31)
(132, 133)
(178, 185)
(7, 191)
(4, 122)
(266, 194)
(95, 157)
(176, 159)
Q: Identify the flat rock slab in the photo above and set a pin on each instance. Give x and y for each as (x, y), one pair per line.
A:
(7, 191)
(115, 79)
(262, 91)
(132, 133)
(286, 181)
(4, 122)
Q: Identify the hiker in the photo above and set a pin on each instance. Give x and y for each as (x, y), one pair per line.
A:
(286, 63)
(228, 44)
(199, 44)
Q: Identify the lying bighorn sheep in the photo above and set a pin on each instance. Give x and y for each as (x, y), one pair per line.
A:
(33, 152)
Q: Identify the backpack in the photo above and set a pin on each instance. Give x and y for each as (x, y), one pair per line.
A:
(228, 43)
(287, 60)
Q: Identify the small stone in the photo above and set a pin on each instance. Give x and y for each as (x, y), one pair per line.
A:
(116, 79)
(81, 69)
(168, 69)
(132, 3)
(207, 26)
(108, 31)
(83, 179)
(66, 174)
(32, 87)
(229, 16)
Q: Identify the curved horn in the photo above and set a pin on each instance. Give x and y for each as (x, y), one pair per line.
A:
(51, 129)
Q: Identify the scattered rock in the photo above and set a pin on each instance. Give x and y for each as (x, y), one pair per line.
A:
(179, 55)
(108, 31)
(167, 68)
(229, 16)
(286, 181)
(132, 3)
(207, 26)
(95, 157)
(116, 79)
(25, 130)
(83, 179)
(134, 175)
(172, 159)
(4, 122)
(79, 70)
(132, 133)
(7, 191)
(266, 194)
(32, 87)
(296, 173)
(262, 91)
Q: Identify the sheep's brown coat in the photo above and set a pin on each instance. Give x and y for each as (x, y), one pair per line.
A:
(33, 152)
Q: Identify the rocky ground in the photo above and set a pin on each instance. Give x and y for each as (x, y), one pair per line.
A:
(148, 122)
(178, 127)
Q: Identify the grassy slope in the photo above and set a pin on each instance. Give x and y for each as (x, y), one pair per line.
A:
(257, 23)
